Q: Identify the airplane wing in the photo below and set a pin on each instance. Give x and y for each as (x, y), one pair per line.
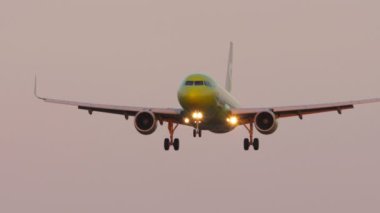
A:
(163, 114)
(289, 111)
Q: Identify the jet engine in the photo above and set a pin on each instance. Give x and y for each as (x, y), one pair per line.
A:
(266, 122)
(145, 122)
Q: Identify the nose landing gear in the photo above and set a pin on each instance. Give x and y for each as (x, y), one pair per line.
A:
(197, 132)
(250, 141)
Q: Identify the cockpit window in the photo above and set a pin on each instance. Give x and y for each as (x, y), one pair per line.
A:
(198, 83)
(207, 83)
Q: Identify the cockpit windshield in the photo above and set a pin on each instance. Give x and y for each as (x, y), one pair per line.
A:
(207, 83)
(198, 83)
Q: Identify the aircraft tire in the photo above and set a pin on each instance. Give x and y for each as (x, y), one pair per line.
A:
(166, 144)
(176, 144)
(256, 144)
(194, 133)
(200, 133)
(246, 144)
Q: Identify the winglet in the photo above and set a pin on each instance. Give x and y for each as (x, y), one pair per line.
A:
(229, 68)
(35, 88)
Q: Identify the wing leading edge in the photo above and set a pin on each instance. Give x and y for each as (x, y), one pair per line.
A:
(164, 114)
(289, 111)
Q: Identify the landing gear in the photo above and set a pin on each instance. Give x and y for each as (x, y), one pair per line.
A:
(176, 144)
(166, 144)
(197, 132)
(246, 144)
(250, 141)
(256, 144)
(171, 141)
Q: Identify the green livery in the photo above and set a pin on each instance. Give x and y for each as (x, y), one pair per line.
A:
(199, 92)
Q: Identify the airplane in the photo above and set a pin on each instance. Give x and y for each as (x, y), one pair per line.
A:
(208, 106)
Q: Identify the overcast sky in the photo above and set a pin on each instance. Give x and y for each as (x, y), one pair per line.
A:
(58, 159)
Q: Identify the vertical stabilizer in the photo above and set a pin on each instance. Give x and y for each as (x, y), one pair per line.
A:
(229, 69)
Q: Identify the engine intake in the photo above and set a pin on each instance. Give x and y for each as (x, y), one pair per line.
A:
(266, 122)
(145, 122)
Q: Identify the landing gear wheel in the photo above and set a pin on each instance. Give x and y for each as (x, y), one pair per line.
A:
(199, 133)
(176, 144)
(255, 141)
(256, 144)
(194, 133)
(246, 144)
(166, 144)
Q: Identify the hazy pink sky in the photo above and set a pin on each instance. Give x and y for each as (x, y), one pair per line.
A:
(58, 159)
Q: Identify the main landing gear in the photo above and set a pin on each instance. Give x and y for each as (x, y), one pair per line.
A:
(250, 141)
(171, 141)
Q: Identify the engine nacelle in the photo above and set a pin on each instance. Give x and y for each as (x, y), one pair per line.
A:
(145, 122)
(266, 122)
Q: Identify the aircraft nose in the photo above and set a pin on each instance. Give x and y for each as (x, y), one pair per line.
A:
(196, 98)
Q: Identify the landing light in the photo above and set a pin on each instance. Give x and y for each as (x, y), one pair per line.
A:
(187, 120)
(197, 115)
(233, 120)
